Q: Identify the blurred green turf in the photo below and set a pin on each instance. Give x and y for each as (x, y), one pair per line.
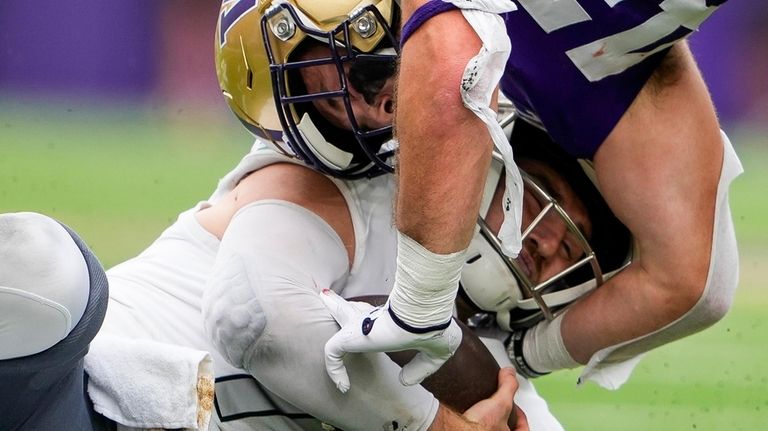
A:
(714, 380)
(117, 177)
(120, 177)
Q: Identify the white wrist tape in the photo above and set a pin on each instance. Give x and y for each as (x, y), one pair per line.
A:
(543, 347)
(425, 283)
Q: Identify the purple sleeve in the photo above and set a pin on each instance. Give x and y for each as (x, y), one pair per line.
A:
(421, 15)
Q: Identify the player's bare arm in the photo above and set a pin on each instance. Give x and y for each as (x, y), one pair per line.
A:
(438, 195)
(670, 212)
(444, 152)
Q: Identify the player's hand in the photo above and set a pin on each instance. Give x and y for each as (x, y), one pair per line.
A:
(499, 412)
(372, 329)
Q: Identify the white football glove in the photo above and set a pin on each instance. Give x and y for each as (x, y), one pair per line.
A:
(365, 328)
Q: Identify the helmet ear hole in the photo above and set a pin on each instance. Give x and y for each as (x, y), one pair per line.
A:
(249, 79)
(389, 106)
(488, 283)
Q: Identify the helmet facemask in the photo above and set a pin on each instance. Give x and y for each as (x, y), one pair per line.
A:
(324, 146)
(509, 289)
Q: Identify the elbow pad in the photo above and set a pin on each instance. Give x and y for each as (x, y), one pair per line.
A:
(263, 313)
(269, 250)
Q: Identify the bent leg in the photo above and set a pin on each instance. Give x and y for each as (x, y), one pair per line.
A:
(47, 263)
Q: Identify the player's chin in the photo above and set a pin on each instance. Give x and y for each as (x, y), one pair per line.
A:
(470, 376)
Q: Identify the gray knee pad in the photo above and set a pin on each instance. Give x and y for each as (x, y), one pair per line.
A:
(46, 390)
(43, 284)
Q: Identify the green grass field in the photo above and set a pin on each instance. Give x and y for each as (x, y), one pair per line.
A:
(120, 177)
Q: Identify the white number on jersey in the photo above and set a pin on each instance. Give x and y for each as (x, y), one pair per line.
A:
(616, 53)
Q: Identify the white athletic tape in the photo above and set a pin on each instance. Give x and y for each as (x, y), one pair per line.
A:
(543, 347)
(426, 283)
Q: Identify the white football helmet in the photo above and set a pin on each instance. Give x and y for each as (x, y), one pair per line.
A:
(493, 283)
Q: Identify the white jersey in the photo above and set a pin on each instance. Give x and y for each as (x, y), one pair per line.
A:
(158, 295)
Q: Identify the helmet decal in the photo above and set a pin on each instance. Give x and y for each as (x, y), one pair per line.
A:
(231, 11)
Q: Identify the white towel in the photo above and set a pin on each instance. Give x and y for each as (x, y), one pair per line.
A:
(146, 384)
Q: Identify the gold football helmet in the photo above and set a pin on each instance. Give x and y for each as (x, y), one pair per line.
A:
(256, 43)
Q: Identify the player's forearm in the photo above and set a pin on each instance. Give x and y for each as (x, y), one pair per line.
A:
(627, 308)
(671, 216)
(444, 148)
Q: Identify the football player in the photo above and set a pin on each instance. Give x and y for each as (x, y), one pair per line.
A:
(313, 69)
(148, 366)
(610, 81)
(251, 260)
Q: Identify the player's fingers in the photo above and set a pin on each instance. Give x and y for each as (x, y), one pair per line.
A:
(521, 423)
(432, 357)
(507, 380)
(421, 366)
(341, 310)
(334, 362)
(507, 387)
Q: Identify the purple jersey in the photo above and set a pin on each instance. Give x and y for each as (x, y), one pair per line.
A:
(577, 65)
